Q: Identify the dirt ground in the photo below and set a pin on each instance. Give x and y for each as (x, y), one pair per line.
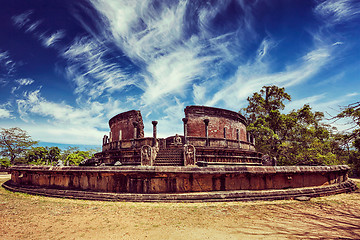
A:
(25, 216)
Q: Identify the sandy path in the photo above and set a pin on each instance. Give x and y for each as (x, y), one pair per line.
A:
(33, 217)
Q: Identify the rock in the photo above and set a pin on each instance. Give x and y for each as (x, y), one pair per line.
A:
(302, 198)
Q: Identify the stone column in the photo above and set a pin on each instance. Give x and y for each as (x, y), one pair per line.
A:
(206, 121)
(185, 120)
(238, 137)
(135, 129)
(154, 123)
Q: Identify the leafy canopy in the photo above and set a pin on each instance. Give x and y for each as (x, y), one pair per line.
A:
(299, 137)
(14, 142)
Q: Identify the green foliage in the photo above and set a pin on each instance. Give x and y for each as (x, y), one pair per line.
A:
(74, 156)
(42, 155)
(50, 156)
(14, 142)
(298, 137)
(5, 162)
(352, 140)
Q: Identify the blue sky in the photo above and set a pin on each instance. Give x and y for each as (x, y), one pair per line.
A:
(67, 67)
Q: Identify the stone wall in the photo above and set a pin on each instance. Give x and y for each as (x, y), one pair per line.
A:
(178, 179)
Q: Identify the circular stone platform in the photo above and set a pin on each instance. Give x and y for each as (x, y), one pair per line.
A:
(181, 184)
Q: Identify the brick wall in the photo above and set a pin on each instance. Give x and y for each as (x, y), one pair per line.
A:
(124, 122)
(220, 121)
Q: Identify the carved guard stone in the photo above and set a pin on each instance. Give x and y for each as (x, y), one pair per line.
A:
(189, 155)
(146, 159)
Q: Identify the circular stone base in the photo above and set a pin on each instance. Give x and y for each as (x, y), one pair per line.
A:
(216, 196)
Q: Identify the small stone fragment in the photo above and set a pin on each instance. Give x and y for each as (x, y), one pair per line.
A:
(302, 198)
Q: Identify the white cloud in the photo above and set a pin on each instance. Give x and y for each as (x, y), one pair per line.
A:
(337, 11)
(199, 92)
(49, 41)
(170, 74)
(250, 77)
(312, 100)
(5, 113)
(22, 19)
(24, 81)
(156, 38)
(354, 94)
(33, 26)
(7, 65)
(63, 133)
(62, 123)
(33, 103)
(91, 71)
(170, 122)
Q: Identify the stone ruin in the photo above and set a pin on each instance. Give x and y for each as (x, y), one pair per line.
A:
(212, 136)
(214, 160)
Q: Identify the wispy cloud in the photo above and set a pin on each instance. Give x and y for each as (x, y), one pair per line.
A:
(61, 118)
(22, 19)
(7, 65)
(48, 41)
(251, 77)
(335, 11)
(34, 103)
(91, 68)
(22, 82)
(173, 44)
(171, 54)
(4, 113)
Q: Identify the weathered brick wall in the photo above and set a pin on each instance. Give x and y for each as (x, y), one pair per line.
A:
(219, 119)
(125, 123)
(178, 179)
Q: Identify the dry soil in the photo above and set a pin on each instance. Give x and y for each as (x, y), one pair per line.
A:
(25, 216)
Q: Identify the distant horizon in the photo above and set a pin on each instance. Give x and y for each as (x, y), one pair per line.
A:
(64, 146)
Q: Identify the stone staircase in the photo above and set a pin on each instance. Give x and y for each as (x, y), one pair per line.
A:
(169, 157)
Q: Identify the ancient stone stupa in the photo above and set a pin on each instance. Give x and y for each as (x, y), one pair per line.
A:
(212, 136)
(214, 160)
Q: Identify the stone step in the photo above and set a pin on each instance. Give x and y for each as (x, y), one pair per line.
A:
(169, 157)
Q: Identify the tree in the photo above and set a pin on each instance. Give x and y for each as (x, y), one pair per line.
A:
(308, 141)
(42, 155)
(75, 158)
(13, 143)
(4, 163)
(264, 118)
(53, 155)
(299, 137)
(36, 155)
(352, 139)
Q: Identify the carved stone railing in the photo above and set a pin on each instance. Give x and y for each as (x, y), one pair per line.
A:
(126, 144)
(220, 142)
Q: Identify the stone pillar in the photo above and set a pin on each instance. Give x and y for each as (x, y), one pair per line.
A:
(135, 129)
(154, 123)
(185, 120)
(206, 121)
(238, 137)
(226, 143)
